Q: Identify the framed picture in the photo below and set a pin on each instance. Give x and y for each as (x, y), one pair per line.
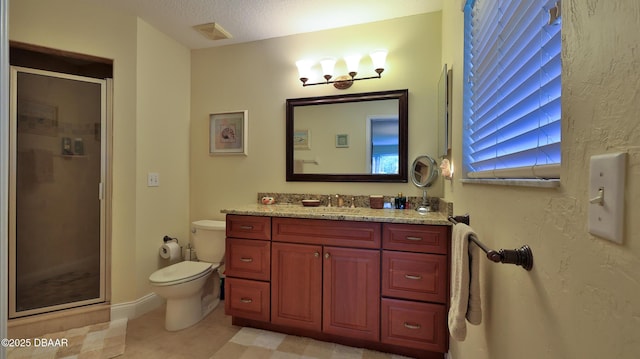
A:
(342, 141)
(228, 133)
(301, 139)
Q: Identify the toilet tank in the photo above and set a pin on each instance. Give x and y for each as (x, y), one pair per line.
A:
(208, 239)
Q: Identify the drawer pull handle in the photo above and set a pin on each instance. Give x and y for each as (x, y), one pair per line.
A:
(248, 260)
(411, 326)
(249, 300)
(327, 255)
(414, 277)
(316, 254)
(412, 238)
(246, 227)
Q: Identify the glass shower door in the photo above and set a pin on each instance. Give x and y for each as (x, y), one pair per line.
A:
(57, 246)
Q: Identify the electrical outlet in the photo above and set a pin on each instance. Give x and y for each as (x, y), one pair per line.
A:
(153, 179)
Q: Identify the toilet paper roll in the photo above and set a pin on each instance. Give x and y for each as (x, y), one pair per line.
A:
(170, 250)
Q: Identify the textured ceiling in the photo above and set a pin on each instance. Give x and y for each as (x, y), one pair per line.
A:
(250, 20)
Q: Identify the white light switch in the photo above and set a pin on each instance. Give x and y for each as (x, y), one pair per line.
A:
(606, 196)
(153, 179)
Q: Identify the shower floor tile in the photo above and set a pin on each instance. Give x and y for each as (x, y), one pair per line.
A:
(64, 288)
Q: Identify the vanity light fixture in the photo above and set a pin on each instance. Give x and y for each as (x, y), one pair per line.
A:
(378, 58)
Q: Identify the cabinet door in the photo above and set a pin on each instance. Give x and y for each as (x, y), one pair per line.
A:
(296, 278)
(351, 289)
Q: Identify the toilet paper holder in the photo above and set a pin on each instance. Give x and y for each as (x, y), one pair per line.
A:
(169, 239)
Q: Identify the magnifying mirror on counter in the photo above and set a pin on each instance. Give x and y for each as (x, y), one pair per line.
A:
(424, 172)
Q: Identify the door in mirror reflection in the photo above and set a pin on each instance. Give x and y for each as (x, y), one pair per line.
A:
(383, 144)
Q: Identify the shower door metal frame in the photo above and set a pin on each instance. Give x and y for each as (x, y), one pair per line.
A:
(103, 191)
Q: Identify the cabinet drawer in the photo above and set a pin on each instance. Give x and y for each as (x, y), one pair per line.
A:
(248, 258)
(415, 238)
(413, 324)
(327, 232)
(247, 299)
(250, 227)
(416, 276)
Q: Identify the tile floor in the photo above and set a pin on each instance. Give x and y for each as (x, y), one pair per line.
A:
(147, 338)
(251, 343)
(98, 341)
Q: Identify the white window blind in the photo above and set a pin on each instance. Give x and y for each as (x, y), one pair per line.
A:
(512, 93)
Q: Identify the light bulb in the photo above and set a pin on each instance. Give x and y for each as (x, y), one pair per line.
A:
(304, 69)
(328, 65)
(378, 57)
(353, 61)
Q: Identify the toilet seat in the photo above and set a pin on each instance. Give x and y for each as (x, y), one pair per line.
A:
(181, 272)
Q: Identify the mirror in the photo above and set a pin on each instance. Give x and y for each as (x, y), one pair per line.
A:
(444, 111)
(424, 172)
(348, 138)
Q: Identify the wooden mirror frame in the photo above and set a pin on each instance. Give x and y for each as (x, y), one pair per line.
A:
(403, 121)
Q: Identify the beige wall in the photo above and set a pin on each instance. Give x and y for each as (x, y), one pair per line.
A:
(150, 124)
(581, 298)
(162, 128)
(260, 76)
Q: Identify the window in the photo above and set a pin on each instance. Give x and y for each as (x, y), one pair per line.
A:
(383, 147)
(512, 93)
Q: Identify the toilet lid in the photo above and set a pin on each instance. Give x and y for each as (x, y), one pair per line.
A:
(179, 271)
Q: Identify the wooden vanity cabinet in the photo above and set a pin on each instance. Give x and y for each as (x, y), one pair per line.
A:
(384, 286)
(321, 286)
(415, 286)
(248, 267)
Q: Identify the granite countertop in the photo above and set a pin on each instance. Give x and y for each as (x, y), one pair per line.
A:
(341, 213)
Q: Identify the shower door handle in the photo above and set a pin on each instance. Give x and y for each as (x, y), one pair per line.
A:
(100, 191)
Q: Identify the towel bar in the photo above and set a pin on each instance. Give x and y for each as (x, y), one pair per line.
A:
(522, 256)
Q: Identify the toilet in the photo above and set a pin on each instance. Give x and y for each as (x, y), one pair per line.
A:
(192, 289)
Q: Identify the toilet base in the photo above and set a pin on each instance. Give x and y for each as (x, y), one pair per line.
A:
(185, 312)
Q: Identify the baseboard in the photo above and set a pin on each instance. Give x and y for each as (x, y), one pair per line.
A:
(136, 308)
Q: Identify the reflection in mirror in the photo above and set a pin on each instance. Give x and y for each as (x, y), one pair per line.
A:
(353, 137)
(444, 112)
(424, 172)
(346, 138)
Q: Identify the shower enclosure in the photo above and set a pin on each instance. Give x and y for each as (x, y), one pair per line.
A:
(56, 205)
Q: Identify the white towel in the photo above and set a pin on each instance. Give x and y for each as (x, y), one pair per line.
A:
(465, 285)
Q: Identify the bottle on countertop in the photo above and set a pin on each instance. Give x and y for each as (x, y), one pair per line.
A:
(401, 201)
